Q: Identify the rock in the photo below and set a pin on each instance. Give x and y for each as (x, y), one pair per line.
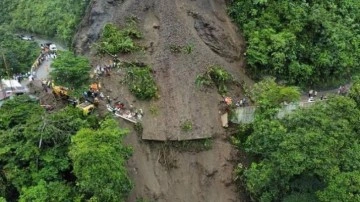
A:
(156, 26)
(212, 173)
(215, 38)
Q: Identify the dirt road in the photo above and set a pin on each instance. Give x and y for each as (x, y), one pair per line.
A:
(196, 177)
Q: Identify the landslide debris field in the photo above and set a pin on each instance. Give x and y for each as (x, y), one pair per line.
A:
(161, 172)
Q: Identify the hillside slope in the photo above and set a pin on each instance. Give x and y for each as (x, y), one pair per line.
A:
(204, 176)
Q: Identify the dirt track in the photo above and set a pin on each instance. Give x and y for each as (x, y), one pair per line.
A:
(205, 176)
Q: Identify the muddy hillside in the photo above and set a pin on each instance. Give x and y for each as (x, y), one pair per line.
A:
(194, 176)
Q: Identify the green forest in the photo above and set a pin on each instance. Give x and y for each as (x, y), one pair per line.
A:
(62, 156)
(306, 43)
(55, 19)
(311, 154)
(52, 18)
(17, 56)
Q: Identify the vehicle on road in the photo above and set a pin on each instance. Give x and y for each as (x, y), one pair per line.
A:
(59, 91)
(26, 37)
(86, 107)
(53, 47)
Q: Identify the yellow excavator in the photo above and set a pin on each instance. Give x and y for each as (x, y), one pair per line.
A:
(60, 91)
(91, 99)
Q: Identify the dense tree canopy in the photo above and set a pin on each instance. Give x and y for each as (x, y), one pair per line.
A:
(54, 18)
(313, 154)
(19, 55)
(268, 95)
(70, 70)
(99, 158)
(310, 42)
(34, 154)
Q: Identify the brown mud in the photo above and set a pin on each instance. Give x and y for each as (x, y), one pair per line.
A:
(204, 25)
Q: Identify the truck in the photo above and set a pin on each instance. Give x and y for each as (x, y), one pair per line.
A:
(9, 88)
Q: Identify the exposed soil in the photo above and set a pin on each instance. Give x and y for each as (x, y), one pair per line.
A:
(203, 24)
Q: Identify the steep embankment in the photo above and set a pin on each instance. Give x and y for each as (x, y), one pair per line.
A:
(204, 176)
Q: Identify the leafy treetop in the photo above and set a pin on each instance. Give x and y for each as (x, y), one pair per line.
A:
(301, 42)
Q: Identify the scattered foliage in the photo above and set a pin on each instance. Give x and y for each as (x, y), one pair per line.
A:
(138, 127)
(114, 40)
(216, 75)
(192, 145)
(187, 49)
(154, 110)
(175, 48)
(186, 126)
(141, 82)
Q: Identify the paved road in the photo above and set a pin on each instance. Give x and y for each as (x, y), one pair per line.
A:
(45, 68)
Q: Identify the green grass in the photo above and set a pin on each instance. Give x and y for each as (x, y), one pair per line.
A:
(154, 110)
(185, 49)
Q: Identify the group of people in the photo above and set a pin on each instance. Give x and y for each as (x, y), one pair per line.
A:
(101, 70)
(93, 94)
(20, 76)
(45, 54)
(129, 112)
(313, 94)
(242, 102)
(343, 90)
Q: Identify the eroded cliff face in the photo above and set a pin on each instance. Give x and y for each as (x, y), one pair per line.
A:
(204, 176)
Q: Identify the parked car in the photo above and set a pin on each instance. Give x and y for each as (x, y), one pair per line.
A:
(26, 38)
(52, 47)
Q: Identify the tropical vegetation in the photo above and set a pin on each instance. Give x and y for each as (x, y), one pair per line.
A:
(60, 156)
(312, 154)
(215, 75)
(16, 56)
(141, 82)
(70, 70)
(52, 18)
(301, 42)
(115, 40)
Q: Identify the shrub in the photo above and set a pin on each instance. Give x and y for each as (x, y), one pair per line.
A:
(215, 75)
(141, 83)
(115, 40)
(187, 126)
(138, 127)
(187, 49)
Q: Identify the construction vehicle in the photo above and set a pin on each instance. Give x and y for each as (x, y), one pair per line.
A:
(60, 91)
(86, 107)
(90, 99)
